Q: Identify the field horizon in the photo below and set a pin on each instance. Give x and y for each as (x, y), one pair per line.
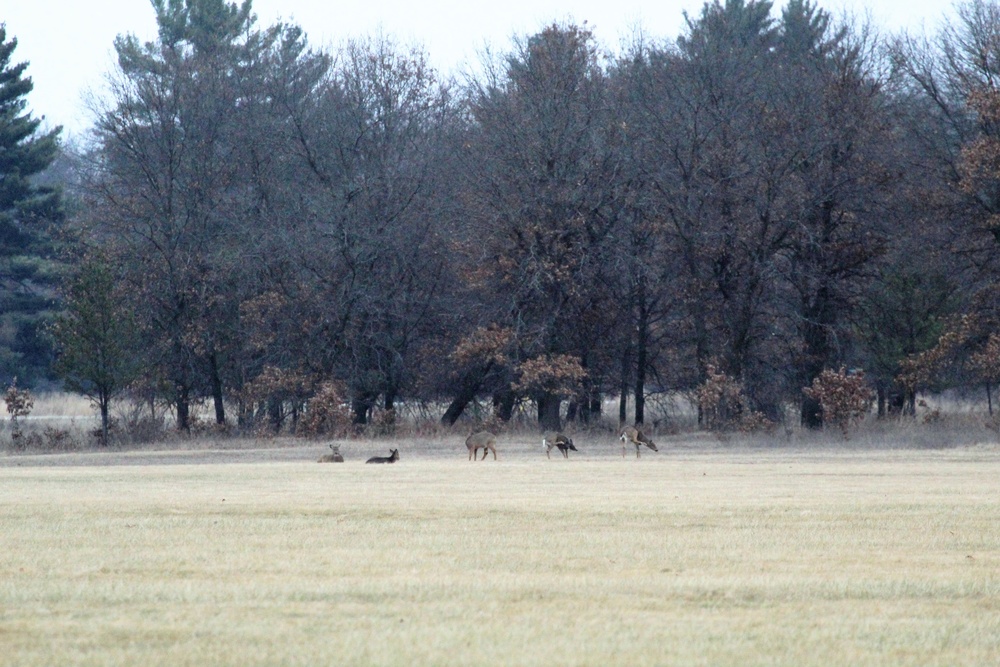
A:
(692, 556)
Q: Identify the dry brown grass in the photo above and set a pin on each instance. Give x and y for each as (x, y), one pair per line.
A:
(684, 558)
(61, 404)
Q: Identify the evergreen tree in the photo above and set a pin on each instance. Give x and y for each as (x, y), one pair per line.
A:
(97, 337)
(27, 207)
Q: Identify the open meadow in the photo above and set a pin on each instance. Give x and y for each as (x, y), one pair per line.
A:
(721, 556)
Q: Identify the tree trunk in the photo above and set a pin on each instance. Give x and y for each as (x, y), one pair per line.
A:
(819, 310)
(103, 401)
(183, 410)
(623, 386)
(244, 410)
(503, 404)
(702, 352)
(361, 407)
(623, 405)
(640, 359)
(275, 414)
(468, 387)
(596, 403)
(220, 409)
(548, 412)
(588, 406)
(818, 318)
(811, 415)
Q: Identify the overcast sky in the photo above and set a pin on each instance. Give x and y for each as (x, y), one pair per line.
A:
(69, 43)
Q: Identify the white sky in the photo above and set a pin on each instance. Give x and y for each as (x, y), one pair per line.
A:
(69, 43)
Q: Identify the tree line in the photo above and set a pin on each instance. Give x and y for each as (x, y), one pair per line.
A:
(258, 223)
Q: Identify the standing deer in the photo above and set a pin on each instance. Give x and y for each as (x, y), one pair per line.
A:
(482, 440)
(392, 458)
(635, 436)
(335, 457)
(552, 439)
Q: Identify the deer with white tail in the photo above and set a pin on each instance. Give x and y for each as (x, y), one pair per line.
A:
(551, 439)
(630, 434)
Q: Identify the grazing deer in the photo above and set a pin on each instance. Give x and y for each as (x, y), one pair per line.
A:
(482, 440)
(635, 436)
(392, 458)
(332, 458)
(552, 439)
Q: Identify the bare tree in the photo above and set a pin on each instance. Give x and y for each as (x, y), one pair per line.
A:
(760, 148)
(366, 255)
(948, 87)
(541, 196)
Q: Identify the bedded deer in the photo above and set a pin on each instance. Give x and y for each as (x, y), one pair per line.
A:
(482, 440)
(635, 436)
(392, 458)
(335, 457)
(552, 439)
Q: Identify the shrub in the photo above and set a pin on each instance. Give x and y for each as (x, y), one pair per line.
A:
(327, 413)
(137, 424)
(383, 423)
(845, 398)
(19, 404)
(724, 407)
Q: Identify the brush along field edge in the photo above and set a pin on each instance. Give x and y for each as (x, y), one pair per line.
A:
(886, 558)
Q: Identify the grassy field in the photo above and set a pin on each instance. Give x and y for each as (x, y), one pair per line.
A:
(681, 558)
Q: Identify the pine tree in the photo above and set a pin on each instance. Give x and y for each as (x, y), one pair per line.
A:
(27, 207)
(97, 337)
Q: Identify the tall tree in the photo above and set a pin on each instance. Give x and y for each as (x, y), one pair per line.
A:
(541, 196)
(174, 191)
(717, 168)
(27, 208)
(840, 123)
(949, 91)
(97, 337)
(645, 272)
(367, 255)
(760, 146)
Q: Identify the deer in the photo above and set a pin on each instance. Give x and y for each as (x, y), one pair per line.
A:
(635, 436)
(552, 439)
(335, 457)
(482, 440)
(392, 458)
